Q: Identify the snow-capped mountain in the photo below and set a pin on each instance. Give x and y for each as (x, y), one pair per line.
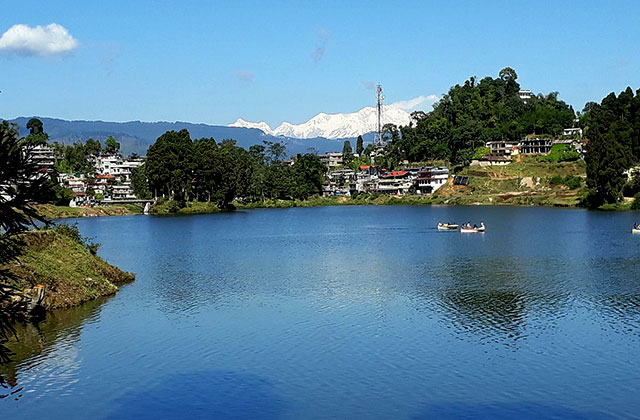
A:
(247, 124)
(333, 126)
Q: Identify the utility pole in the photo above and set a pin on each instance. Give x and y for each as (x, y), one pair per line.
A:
(379, 109)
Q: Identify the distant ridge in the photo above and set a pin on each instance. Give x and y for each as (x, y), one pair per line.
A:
(137, 136)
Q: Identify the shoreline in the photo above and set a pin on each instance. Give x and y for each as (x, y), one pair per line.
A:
(62, 212)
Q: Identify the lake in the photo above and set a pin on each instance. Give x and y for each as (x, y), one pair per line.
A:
(347, 312)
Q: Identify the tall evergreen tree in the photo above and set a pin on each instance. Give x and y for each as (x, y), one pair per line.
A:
(359, 146)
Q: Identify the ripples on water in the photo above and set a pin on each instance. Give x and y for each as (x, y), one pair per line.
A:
(364, 312)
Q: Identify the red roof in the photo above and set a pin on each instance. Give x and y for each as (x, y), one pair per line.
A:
(396, 173)
(365, 167)
(105, 176)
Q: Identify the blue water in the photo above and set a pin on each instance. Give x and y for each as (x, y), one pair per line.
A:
(348, 312)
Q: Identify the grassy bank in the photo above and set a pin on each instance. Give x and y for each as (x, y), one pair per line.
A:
(166, 207)
(69, 273)
(50, 211)
(527, 182)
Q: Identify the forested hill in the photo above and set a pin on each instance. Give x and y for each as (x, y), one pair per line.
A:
(137, 136)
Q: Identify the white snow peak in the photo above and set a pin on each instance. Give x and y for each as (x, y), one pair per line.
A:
(334, 126)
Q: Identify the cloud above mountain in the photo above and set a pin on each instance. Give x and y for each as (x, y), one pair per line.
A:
(422, 103)
(53, 39)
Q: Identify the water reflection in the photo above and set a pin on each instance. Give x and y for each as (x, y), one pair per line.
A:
(50, 341)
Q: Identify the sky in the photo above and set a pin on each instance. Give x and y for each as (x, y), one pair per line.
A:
(215, 61)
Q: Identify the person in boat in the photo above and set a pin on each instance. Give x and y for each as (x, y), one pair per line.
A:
(475, 226)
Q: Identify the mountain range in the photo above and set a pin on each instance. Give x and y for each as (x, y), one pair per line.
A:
(333, 126)
(137, 136)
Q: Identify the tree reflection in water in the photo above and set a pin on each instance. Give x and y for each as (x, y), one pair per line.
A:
(37, 342)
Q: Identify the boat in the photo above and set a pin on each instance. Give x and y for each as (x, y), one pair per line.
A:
(447, 226)
(479, 229)
(634, 230)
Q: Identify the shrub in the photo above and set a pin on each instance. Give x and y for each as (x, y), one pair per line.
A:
(635, 205)
(173, 207)
(631, 187)
(72, 232)
(572, 182)
(480, 152)
(556, 180)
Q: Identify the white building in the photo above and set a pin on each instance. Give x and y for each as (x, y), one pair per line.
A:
(525, 94)
(574, 131)
(431, 178)
(331, 159)
(105, 164)
(42, 155)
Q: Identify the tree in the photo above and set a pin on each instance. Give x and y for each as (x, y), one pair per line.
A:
(276, 151)
(139, 182)
(308, 173)
(35, 126)
(508, 74)
(36, 135)
(21, 184)
(111, 146)
(169, 164)
(614, 131)
(359, 146)
(347, 152)
(92, 147)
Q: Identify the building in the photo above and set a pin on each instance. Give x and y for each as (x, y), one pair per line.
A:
(42, 155)
(536, 146)
(431, 178)
(397, 182)
(525, 94)
(491, 160)
(122, 192)
(574, 132)
(331, 159)
(105, 164)
(503, 147)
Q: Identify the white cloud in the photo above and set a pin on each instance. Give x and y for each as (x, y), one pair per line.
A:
(321, 48)
(245, 75)
(39, 40)
(368, 84)
(422, 103)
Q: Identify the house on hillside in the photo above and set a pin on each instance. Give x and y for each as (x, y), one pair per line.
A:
(536, 146)
(491, 160)
(331, 159)
(396, 182)
(431, 178)
(574, 131)
(503, 147)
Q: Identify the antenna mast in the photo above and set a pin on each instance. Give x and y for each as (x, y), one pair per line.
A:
(379, 109)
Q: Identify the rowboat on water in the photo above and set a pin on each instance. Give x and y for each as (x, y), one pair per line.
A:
(469, 229)
(447, 226)
(635, 230)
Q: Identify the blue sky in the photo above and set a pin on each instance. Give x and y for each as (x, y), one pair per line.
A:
(214, 61)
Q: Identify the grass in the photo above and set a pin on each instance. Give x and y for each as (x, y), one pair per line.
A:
(68, 271)
(50, 211)
(526, 182)
(191, 207)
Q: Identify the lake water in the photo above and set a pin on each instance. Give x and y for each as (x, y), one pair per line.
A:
(348, 312)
